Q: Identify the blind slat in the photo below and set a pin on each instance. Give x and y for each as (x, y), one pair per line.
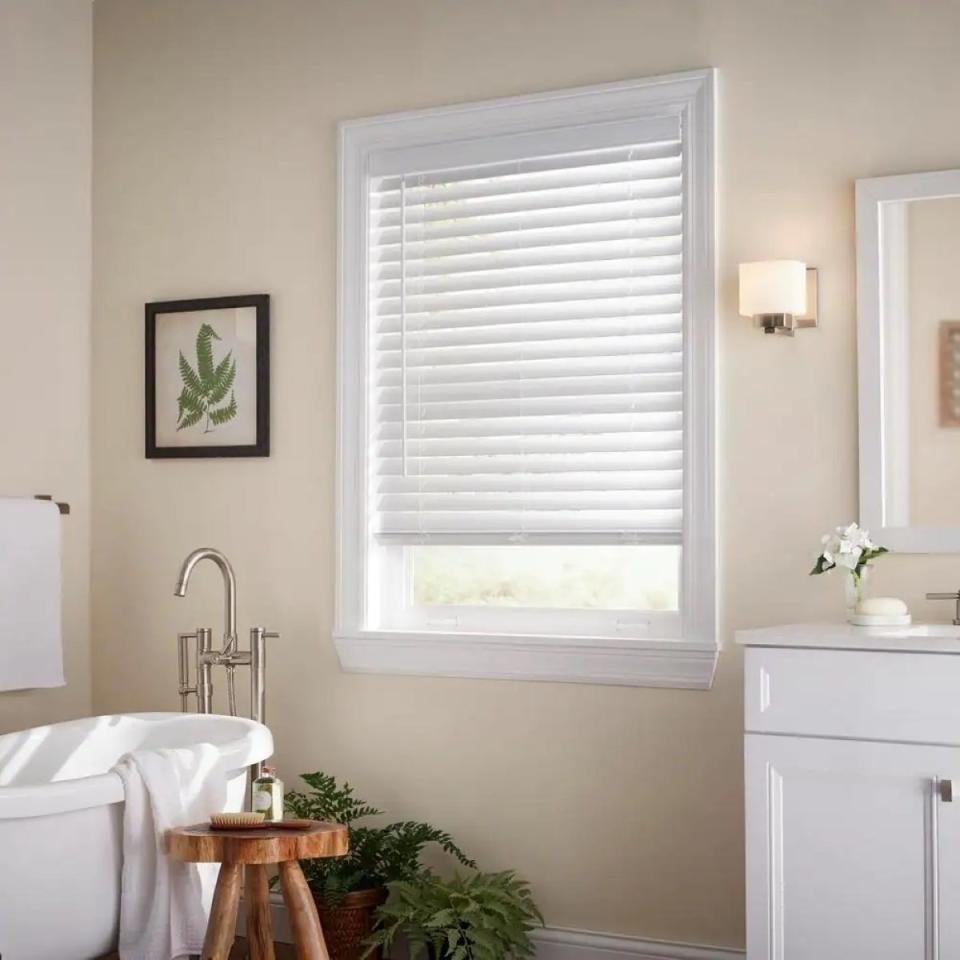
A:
(571, 521)
(631, 442)
(531, 426)
(586, 309)
(494, 278)
(629, 192)
(436, 249)
(585, 214)
(508, 408)
(553, 388)
(387, 262)
(541, 294)
(550, 501)
(607, 481)
(512, 464)
(517, 371)
(557, 330)
(608, 345)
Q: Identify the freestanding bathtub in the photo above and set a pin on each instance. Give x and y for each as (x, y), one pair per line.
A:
(61, 812)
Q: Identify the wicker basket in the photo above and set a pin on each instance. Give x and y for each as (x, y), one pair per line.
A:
(347, 923)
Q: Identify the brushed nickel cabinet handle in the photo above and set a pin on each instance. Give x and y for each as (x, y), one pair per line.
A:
(946, 791)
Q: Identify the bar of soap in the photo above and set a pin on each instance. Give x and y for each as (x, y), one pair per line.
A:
(882, 607)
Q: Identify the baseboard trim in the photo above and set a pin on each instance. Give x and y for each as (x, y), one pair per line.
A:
(557, 943)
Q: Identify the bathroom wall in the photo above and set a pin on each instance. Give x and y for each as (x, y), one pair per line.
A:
(46, 75)
(216, 173)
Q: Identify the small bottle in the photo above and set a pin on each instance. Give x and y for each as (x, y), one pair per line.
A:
(268, 794)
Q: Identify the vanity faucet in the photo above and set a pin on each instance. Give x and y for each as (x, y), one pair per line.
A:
(949, 596)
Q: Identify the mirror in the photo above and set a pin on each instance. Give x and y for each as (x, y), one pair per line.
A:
(908, 296)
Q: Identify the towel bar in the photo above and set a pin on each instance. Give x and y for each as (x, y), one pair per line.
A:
(64, 508)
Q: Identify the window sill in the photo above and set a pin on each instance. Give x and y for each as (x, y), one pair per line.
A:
(633, 663)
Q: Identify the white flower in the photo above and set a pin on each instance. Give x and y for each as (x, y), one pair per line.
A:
(849, 557)
(855, 536)
(846, 546)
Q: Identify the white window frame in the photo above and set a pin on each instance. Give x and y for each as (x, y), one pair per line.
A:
(688, 661)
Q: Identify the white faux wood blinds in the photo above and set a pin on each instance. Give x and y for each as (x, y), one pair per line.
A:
(526, 324)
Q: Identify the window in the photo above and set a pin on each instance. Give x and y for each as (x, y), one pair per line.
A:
(526, 479)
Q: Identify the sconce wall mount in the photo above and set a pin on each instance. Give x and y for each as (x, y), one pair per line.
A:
(780, 295)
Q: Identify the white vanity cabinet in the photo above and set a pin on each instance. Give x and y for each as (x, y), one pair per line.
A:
(852, 757)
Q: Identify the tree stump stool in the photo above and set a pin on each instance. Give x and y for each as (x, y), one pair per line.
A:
(252, 850)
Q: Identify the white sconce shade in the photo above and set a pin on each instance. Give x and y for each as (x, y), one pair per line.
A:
(773, 287)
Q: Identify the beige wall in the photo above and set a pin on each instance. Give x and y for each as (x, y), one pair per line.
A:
(215, 173)
(933, 290)
(46, 53)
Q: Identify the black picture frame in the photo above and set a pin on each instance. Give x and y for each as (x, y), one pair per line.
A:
(154, 312)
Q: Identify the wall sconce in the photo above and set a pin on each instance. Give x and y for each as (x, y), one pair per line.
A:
(781, 295)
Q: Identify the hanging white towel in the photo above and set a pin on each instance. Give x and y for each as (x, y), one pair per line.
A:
(165, 904)
(31, 642)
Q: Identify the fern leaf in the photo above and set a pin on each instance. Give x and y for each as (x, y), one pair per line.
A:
(224, 414)
(190, 408)
(224, 376)
(205, 337)
(190, 419)
(188, 375)
(191, 401)
(221, 369)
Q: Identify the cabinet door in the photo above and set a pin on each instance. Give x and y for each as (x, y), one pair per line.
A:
(844, 861)
(947, 878)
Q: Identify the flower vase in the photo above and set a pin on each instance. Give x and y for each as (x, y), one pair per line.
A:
(855, 586)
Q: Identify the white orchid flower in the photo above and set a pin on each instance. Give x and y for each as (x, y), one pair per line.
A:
(853, 534)
(849, 558)
(846, 547)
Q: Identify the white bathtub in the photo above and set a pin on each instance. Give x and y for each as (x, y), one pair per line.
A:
(60, 822)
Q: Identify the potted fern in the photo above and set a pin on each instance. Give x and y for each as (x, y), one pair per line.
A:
(486, 916)
(348, 889)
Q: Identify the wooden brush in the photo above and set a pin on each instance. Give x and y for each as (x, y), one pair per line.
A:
(235, 821)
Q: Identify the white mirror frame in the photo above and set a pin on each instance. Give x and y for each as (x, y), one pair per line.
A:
(883, 358)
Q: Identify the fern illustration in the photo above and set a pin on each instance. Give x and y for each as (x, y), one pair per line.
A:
(206, 387)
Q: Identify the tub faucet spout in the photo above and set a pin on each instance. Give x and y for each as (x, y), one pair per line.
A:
(229, 591)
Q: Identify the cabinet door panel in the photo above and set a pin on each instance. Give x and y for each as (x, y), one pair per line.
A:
(842, 849)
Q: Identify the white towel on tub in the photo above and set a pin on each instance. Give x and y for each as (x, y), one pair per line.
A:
(164, 904)
(31, 643)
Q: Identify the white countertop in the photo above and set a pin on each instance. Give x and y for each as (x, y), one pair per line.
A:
(918, 638)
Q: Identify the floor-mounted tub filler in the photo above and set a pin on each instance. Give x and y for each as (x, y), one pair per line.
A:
(61, 814)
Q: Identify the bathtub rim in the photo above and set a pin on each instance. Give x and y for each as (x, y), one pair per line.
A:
(253, 744)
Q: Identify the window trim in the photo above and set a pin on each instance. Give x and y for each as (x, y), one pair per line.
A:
(689, 662)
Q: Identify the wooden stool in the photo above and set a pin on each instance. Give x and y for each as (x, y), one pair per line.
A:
(253, 849)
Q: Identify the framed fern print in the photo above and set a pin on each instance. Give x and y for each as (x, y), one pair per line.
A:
(208, 377)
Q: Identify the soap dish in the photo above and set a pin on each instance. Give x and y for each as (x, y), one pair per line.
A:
(875, 620)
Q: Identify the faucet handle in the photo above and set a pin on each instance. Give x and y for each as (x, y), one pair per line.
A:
(948, 596)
